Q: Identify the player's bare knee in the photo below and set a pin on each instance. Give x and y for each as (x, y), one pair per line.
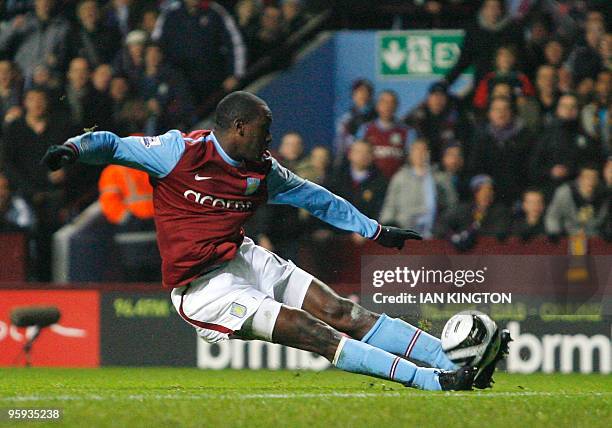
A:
(299, 329)
(345, 314)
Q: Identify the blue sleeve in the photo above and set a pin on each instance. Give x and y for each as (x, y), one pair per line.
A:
(156, 156)
(284, 187)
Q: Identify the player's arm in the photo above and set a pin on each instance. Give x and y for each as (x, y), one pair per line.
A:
(156, 156)
(284, 187)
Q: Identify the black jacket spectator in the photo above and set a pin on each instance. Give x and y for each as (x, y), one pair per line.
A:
(490, 31)
(90, 38)
(561, 144)
(481, 217)
(530, 223)
(439, 121)
(359, 182)
(500, 149)
(203, 41)
(85, 105)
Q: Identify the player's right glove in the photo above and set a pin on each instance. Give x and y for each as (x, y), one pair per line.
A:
(58, 156)
(394, 237)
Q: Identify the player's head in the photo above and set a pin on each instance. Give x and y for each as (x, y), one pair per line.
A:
(243, 120)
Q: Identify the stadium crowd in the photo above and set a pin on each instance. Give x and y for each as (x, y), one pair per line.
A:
(527, 152)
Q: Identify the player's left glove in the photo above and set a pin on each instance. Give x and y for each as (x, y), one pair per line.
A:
(394, 237)
(58, 156)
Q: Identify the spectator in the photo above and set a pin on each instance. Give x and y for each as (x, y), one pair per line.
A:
(596, 116)
(271, 32)
(500, 149)
(438, 120)
(505, 61)
(15, 214)
(360, 182)
(284, 236)
(482, 217)
(316, 167)
(122, 15)
(452, 167)
(580, 205)
(10, 92)
(561, 148)
(36, 38)
(166, 93)
(148, 21)
(211, 54)
(130, 60)
(361, 112)
(565, 83)
(247, 15)
(417, 195)
(87, 107)
(25, 142)
(538, 34)
(554, 53)
(491, 30)
(129, 112)
(387, 135)
(102, 77)
(585, 61)
(293, 15)
(291, 150)
(546, 94)
(530, 223)
(91, 39)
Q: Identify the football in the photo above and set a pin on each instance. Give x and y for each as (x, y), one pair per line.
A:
(470, 338)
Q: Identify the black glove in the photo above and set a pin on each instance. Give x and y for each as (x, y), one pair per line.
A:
(58, 156)
(394, 237)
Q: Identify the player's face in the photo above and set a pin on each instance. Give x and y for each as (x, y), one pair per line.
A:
(257, 135)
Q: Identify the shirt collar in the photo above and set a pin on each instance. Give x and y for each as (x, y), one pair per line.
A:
(224, 155)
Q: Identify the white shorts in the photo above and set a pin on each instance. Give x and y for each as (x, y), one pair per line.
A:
(218, 303)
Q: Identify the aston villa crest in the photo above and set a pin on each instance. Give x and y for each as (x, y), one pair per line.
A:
(252, 185)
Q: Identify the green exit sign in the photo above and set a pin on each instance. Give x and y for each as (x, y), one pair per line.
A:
(417, 53)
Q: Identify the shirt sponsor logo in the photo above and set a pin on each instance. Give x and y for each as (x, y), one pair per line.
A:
(252, 185)
(229, 204)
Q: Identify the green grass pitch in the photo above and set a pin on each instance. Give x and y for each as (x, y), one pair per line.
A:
(177, 397)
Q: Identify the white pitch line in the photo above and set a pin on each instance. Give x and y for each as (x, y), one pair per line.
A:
(273, 396)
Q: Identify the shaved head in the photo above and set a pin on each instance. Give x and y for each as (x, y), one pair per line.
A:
(239, 105)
